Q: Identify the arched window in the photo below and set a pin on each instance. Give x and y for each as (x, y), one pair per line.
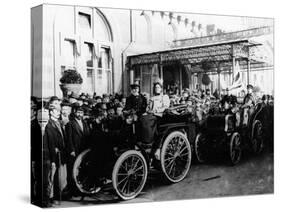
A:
(97, 56)
(102, 29)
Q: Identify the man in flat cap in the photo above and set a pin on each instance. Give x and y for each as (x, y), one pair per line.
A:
(135, 101)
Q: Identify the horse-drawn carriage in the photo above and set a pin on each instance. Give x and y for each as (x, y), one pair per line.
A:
(228, 134)
(128, 168)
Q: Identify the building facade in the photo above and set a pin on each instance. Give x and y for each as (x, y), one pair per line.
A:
(97, 42)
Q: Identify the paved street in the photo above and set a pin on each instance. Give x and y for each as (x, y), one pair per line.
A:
(254, 175)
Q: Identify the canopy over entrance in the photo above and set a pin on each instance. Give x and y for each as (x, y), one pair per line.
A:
(222, 52)
(212, 59)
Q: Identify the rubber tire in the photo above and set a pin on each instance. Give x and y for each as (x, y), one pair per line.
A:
(231, 146)
(199, 159)
(75, 169)
(164, 146)
(259, 150)
(116, 168)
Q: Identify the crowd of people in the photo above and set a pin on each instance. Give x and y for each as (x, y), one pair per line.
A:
(78, 121)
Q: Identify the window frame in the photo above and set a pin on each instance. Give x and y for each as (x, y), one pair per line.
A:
(75, 53)
(106, 72)
(89, 16)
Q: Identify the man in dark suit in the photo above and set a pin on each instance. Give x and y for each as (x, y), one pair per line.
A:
(54, 155)
(77, 134)
(135, 101)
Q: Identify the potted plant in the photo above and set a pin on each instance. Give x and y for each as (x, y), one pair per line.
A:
(71, 82)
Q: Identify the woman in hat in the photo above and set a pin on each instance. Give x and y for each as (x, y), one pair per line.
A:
(159, 102)
(157, 105)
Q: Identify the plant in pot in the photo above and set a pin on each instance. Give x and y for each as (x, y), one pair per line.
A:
(71, 82)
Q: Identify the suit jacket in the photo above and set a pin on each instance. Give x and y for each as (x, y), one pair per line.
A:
(76, 138)
(53, 138)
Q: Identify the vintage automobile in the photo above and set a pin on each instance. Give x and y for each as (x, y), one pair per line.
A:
(170, 153)
(227, 135)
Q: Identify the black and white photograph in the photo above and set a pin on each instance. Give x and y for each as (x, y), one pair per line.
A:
(145, 105)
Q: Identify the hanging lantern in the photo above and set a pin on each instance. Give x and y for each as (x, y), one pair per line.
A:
(152, 12)
(142, 13)
(206, 79)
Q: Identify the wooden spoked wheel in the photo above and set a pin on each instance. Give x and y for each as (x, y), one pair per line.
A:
(129, 174)
(200, 142)
(235, 150)
(175, 157)
(82, 169)
(257, 137)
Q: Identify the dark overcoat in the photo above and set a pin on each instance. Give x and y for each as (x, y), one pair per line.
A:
(54, 138)
(137, 103)
(76, 137)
